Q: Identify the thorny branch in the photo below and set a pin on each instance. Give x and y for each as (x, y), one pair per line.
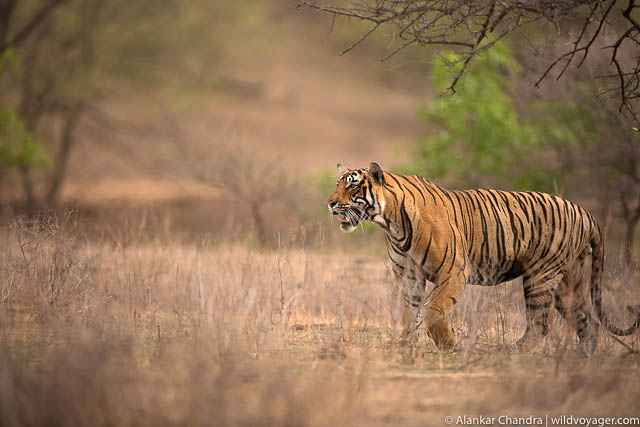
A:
(471, 27)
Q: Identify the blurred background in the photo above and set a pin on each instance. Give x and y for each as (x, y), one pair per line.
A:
(224, 120)
(166, 255)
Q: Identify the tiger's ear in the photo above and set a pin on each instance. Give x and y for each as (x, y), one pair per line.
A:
(376, 173)
(341, 169)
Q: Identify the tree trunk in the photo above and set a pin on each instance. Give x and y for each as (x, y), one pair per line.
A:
(27, 188)
(258, 223)
(6, 10)
(31, 109)
(67, 140)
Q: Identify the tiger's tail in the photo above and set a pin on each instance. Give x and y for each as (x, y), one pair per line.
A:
(597, 264)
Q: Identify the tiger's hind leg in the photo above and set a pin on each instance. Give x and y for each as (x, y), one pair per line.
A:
(538, 296)
(571, 302)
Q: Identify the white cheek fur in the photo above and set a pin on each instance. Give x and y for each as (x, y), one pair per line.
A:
(347, 228)
(381, 201)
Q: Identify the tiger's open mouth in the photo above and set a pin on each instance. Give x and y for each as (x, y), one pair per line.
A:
(342, 217)
(349, 218)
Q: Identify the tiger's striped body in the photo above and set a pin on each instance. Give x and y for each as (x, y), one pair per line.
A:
(484, 237)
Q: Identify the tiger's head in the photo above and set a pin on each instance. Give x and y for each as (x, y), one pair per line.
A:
(358, 196)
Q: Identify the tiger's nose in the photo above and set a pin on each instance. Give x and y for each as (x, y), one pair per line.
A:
(332, 204)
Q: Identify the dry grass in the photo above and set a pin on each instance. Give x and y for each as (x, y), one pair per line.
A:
(165, 333)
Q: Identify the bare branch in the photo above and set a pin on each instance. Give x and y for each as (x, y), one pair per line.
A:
(474, 52)
(32, 25)
(333, 23)
(576, 44)
(398, 49)
(361, 39)
(470, 28)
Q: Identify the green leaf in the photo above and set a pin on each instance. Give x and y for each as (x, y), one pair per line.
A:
(17, 145)
(479, 132)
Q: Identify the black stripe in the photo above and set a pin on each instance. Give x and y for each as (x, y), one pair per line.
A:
(455, 215)
(416, 187)
(455, 248)
(426, 251)
(444, 257)
(427, 188)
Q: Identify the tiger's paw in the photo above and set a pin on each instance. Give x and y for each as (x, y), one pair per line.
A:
(529, 342)
(442, 335)
(408, 339)
(587, 346)
(447, 347)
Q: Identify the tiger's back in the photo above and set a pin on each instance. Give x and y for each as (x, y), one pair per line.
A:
(509, 234)
(502, 235)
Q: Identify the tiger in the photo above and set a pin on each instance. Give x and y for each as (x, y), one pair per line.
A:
(452, 238)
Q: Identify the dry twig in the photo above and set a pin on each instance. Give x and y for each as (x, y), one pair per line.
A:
(469, 28)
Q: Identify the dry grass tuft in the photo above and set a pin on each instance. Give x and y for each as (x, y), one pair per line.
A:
(168, 333)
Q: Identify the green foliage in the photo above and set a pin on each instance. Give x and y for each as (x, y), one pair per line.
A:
(17, 146)
(481, 136)
(569, 122)
(9, 60)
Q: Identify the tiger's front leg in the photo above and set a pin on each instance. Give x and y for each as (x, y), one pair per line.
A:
(411, 321)
(444, 296)
(410, 290)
